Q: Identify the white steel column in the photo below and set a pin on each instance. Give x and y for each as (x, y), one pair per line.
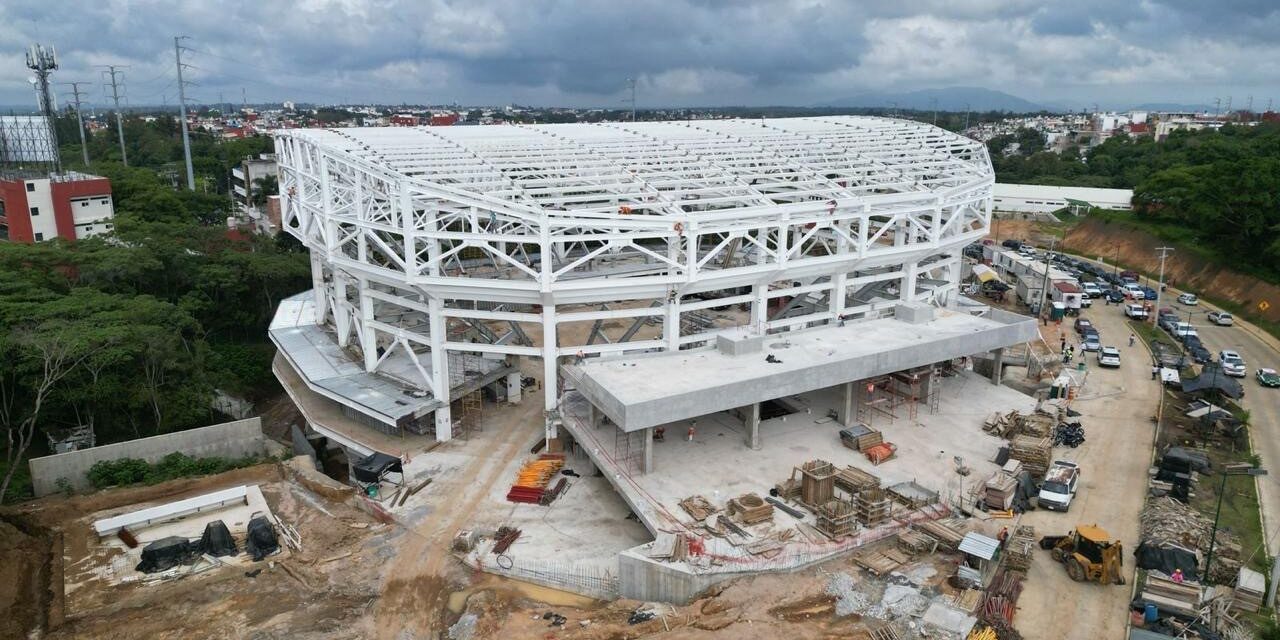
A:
(440, 368)
(550, 382)
(318, 286)
(368, 335)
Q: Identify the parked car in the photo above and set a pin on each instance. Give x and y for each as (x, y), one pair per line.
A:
(1011, 244)
(1092, 342)
(1059, 486)
(1221, 318)
(1115, 296)
(1268, 377)
(1183, 329)
(1188, 299)
(1148, 293)
(1082, 324)
(1232, 364)
(1132, 290)
(1135, 311)
(1092, 289)
(1131, 276)
(1109, 357)
(1191, 341)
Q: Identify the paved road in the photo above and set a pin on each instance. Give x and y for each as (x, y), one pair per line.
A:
(1117, 407)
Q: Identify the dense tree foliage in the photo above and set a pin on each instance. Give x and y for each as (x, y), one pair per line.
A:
(145, 323)
(1221, 188)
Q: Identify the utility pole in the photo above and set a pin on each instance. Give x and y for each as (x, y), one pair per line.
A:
(1044, 287)
(115, 96)
(934, 100)
(1164, 252)
(966, 116)
(631, 84)
(182, 112)
(75, 91)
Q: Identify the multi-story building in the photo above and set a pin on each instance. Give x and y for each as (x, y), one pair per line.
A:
(67, 205)
(244, 178)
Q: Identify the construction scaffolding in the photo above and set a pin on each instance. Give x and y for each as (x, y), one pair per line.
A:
(472, 417)
(888, 393)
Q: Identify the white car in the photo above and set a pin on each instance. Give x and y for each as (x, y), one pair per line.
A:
(1133, 291)
(1189, 299)
(1136, 311)
(1109, 357)
(1184, 329)
(1092, 289)
(1220, 318)
(1232, 364)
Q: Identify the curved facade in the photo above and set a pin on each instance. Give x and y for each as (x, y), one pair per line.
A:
(575, 240)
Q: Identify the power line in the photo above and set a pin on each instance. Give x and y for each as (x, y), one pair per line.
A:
(112, 71)
(75, 90)
(182, 112)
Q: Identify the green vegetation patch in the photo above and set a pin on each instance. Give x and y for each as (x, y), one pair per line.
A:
(127, 471)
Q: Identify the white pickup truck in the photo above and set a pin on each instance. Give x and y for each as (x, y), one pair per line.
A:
(1059, 486)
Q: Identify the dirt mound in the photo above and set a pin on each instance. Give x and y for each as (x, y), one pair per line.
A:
(822, 605)
(1094, 238)
(24, 572)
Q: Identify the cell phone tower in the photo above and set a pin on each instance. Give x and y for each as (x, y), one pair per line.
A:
(42, 62)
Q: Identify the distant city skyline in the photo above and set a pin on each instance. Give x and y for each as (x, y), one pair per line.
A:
(681, 53)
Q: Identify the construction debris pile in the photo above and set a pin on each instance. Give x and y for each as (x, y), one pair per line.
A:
(1039, 423)
(1166, 521)
(1068, 435)
(534, 477)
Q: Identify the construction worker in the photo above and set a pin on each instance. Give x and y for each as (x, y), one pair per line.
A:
(1155, 371)
(692, 430)
(1132, 339)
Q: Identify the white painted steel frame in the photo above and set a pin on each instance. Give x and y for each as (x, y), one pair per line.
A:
(413, 230)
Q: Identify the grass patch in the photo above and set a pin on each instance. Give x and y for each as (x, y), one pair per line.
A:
(1240, 510)
(128, 471)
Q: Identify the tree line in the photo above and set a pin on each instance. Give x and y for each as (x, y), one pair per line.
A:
(1216, 188)
(131, 332)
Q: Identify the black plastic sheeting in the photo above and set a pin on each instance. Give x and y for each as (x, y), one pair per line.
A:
(1165, 558)
(217, 540)
(372, 468)
(261, 541)
(1181, 460)
(1024, 492)
(167, 553)
(1211, 377)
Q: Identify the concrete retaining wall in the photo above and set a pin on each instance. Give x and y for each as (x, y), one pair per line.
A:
(227, 440)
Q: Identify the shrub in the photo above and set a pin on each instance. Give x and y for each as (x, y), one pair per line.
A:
(127, 471)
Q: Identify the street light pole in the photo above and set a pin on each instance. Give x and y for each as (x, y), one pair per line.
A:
(1239, 469)
(1164, 251)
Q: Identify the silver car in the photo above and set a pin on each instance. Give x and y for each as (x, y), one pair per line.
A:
(1220, 318)
(1232, 364)
(1109, 357)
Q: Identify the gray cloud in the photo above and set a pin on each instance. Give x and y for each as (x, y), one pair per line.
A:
(701, 52)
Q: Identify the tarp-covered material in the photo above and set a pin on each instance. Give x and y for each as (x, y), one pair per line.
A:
(260, 540)
(985, 273)
(217, 540)
(1026, 490)
(166, 553)
(1212, 378)
(1183, 459)
(1166, 558)
(372, 468)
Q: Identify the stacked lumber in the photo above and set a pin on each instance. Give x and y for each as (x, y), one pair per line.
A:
(1175, 597)
(817, 483)
(881, 562)
(999, 491)
(788, 489)
(1250, 590)
(871, 507)
(750, 508)
(1168, 520)
(836, 519)
(945, 534)
(533, 478)
(853, 480)
(1034, 453)
(967, 599)
(698, 507)
(916, 542)
(860, 437)
(1039, 423)
(1019, 548)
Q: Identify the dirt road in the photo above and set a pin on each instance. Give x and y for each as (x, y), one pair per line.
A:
(418, 582)
(1117, 407)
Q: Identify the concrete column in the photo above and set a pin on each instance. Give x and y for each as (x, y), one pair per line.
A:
(648, 450)
(997, 365)
(751, 419)
(593, 416)
(514, 387)
(444, 424)
(846, 406)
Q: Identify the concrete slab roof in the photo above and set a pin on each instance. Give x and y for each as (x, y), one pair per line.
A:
(652, 389)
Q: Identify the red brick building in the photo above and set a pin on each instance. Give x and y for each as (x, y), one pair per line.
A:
(71, 205)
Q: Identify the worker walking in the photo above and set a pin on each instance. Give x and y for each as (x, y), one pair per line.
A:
(1132, 339)
(1155, 371)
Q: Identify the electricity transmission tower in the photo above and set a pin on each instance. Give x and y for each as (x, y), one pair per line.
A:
(75, 91)
(117, 82)
(182, 110)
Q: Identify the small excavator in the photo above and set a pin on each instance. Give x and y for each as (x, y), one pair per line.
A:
(1089, 554)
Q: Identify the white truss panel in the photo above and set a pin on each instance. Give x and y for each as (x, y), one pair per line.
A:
(421, 234)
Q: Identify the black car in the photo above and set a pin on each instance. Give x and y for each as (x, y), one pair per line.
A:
(1011, 244)
(1190, 341)
(1114, 296)
(1200, 354)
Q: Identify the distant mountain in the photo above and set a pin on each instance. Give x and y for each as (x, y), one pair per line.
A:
(946, 99)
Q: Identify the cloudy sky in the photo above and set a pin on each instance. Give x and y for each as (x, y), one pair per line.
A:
(681, 52)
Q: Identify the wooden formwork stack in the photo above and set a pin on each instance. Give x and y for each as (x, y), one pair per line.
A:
(1034, 452)
(749, 508)
(852, 480)
(836, 519)
(871, 507)
(817, 483)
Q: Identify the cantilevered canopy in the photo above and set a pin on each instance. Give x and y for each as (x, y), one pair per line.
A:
(671, 168)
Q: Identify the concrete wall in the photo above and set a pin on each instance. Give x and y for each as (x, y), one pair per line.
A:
(227, 440)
